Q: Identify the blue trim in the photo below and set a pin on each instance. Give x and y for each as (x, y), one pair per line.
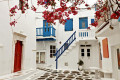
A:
(46, 39)
(83, 20)
(64, 46)
(40, 31)
(69, 25)
(119, 19)
(92, 21)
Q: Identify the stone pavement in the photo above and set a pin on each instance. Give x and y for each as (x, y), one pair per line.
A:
(66, 75)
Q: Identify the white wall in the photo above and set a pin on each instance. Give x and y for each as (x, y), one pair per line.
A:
(44, 46)
(70, 58)
(61, 36)
(25, 26)
(106, 62)
(114, 41)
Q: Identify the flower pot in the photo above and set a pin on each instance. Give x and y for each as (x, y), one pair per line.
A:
(80, 67)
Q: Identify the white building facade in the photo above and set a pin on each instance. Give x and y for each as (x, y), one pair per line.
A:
(75, 34)
(17, 44)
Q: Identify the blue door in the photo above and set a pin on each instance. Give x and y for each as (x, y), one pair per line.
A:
(46, 29)
(83, 23)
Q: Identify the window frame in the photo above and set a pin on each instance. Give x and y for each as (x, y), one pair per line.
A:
(52, 51)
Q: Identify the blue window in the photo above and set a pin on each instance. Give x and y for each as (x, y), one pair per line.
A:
(83, 23)
(69, 25)
(92, 21)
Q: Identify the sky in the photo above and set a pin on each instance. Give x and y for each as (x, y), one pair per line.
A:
(90, 2)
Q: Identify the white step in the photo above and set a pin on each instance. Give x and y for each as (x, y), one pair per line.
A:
(107, 79)
(67, 51)
(70, 47)
(73, 45)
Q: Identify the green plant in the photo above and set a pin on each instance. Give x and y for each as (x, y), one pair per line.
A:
(80, 63)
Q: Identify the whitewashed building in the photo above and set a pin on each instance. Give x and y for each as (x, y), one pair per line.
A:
(108, 32)
(17, 44)
(81, 41)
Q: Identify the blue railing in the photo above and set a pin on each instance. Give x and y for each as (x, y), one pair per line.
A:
(45, 32)
(64, 47)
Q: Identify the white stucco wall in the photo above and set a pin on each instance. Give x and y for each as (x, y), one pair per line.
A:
(61, 36)
(25, 26)
(114, 41)
(106, 62)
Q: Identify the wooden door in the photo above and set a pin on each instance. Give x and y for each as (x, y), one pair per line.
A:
(18, 56)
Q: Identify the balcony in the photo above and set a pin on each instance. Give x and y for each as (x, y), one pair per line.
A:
(86, 35)
(45, 34)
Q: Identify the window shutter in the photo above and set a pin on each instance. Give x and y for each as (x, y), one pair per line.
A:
(92, 21)
(69, 25)
(105, 48)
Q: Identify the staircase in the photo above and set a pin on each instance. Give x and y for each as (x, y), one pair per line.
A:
(65, 46)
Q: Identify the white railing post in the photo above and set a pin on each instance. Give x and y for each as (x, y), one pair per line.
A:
(86, 34)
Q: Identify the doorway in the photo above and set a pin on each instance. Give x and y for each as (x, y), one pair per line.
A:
(85, 53)
(18, 56)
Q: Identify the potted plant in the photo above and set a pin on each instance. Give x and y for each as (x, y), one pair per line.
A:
(80, 64)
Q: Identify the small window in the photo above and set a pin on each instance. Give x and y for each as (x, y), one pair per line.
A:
(83, 24)
(69, 25)
(52, 51)
(82, 52)
(40, 57)
(82, 45)
(45, 24)
(92, 21)
(88, 45)
(88, 52)
(49, 24)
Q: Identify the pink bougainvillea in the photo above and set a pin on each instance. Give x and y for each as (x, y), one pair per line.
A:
(13, 10)
(62, 12)
(13, 23)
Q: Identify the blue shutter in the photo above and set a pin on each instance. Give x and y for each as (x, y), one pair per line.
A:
(69, 25)
(119, 19)
(92, 21)
(83, 20)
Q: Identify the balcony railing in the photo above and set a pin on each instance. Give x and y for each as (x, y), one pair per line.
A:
(45, 32)
(86, 34)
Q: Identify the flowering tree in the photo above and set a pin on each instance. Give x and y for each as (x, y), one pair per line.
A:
(61, 13)
(104, 9)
